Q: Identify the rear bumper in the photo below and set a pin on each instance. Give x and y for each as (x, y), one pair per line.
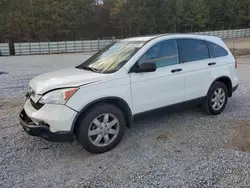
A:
(235, 88)
(43, 130)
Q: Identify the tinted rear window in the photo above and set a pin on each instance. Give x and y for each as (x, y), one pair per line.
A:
(193, 50)
(216, 50)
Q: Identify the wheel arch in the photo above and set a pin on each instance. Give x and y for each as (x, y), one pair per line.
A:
(116, 101)
(227, 81)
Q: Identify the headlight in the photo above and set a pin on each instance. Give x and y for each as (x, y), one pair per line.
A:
(58, 96)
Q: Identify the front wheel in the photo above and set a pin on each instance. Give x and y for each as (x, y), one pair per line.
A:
(217, 98)
(101, 129)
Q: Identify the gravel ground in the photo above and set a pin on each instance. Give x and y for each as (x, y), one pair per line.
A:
(181, 148)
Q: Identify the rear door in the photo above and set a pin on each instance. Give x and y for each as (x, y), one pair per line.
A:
(194, 53)
(223, 61)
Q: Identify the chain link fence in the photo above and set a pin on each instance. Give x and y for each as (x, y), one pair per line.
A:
(32, 48)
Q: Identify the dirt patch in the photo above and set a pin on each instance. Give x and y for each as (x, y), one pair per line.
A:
(163, 137)
(238, 43)
(241, 136)
(240, 52)
(13, 103)
(10, 107)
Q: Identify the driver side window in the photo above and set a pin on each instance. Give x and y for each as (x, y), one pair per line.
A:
(163, 54)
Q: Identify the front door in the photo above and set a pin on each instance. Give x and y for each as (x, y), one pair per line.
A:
(163, 87)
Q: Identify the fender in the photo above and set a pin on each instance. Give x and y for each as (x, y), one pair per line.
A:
(119, 102)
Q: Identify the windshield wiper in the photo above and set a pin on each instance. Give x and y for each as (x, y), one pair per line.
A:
(90, 68)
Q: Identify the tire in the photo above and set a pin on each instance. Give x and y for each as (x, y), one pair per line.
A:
(92, 127)
(210, 107)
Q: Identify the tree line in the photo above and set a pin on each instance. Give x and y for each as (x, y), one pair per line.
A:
(52, 20)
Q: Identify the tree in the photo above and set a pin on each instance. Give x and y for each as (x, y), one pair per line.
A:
(45, 20)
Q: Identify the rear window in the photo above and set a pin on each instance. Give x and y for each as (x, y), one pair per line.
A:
(193, 50)
(216, 50)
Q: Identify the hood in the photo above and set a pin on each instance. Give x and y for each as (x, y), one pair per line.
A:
(69, 77)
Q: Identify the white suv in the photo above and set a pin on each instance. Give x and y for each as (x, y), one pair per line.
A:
(96, 100)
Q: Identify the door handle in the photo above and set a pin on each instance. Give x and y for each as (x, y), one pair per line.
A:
(211, 64)
(176, 70)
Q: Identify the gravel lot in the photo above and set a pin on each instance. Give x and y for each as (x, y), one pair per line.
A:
(181, 148)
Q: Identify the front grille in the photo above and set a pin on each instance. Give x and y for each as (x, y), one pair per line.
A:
(37, 105)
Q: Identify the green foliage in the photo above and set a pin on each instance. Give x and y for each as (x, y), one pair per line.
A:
(44, 20)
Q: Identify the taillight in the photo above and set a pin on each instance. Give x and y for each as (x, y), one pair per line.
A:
(235, 63)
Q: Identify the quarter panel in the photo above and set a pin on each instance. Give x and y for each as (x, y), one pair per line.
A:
(219, 72)
(233, 75)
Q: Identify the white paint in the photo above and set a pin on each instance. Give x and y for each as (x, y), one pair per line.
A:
(67, 77)
(59, 117)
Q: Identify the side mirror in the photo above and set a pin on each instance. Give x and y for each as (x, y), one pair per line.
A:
(145, 67)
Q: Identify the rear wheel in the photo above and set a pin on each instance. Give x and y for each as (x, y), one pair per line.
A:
(217, 98)
(101, 129)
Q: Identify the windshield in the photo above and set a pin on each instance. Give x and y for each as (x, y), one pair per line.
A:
(111, 58)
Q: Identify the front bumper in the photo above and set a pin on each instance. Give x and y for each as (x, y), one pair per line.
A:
(42, 130)
(59, 117)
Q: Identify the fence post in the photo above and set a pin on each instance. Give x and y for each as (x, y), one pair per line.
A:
(20, 48)
(98, 44)
(74, 45)
(82, 47)
(29, 48)
(233, 48)
(49, 47)
(57, 47)
(90, 46)
(66, 46)
(40, 47)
